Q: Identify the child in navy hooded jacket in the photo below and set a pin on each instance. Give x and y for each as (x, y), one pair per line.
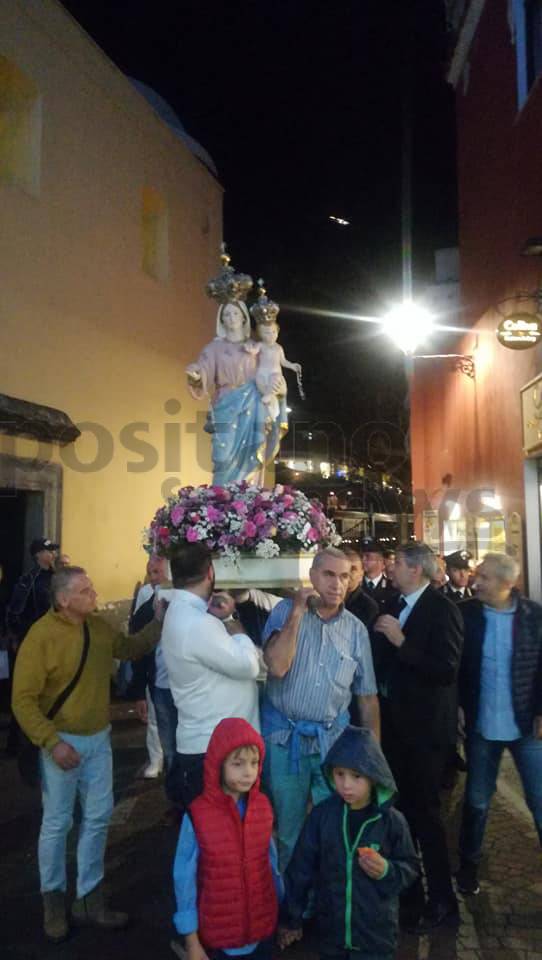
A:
(356, 852)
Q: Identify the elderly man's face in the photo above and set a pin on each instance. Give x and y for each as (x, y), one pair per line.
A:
(157, 570)
(221, 604)
(490, 588)
(331, 580)
(79, 598)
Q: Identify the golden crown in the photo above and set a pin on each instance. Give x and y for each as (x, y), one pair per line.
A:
(228, 285)
(264, 310)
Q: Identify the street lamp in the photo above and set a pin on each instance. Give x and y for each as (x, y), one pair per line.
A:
(408, 325)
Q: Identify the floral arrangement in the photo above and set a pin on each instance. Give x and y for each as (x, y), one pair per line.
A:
(241, 520)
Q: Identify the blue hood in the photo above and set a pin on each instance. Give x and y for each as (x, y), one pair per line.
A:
(358, 749)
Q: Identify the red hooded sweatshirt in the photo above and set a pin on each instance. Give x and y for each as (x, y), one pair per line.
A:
(237, 901)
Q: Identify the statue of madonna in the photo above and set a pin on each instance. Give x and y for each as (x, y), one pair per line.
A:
(243, 439)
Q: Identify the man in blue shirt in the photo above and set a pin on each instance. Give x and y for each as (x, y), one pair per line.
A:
(318, 655)
(500, 696)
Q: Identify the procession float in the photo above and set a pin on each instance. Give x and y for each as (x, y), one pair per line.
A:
(259, 536)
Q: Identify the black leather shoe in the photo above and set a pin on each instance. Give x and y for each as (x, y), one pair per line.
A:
(445, 913)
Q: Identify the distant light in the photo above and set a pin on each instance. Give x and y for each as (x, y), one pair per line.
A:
(340, 221)
(408, 325)
(288, 409)
(348, 493)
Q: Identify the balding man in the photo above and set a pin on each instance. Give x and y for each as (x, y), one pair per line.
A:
(318, 655)
(500, 695)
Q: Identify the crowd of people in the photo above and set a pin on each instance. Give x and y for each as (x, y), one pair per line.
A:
(305, 740)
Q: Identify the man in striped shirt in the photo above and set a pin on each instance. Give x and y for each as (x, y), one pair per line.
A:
(318, 655)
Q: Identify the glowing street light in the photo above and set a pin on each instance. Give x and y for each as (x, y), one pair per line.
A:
(341, 221)
(408, 325)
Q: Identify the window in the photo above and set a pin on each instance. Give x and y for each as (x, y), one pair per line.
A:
(528, 36)
(154, 234)
(20, 128)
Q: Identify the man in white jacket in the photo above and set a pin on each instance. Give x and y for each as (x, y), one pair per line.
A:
(212, 668)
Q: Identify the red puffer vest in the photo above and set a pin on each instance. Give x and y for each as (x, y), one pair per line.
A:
(237, 901)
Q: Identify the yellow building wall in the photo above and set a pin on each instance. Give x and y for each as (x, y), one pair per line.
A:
(82, 327)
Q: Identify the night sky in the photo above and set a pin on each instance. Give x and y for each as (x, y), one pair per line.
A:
(299, 104)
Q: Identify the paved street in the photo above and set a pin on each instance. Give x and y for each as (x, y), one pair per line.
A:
(503, 923)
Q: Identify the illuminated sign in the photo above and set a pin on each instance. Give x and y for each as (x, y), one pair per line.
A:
(519, 331)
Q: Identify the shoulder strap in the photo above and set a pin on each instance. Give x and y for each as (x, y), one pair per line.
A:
(62, 697)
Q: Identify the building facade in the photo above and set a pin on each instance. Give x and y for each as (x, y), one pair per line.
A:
(111, 226)
(476, 437)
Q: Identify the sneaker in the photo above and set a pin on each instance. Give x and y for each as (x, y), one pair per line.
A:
(150, 772)
(467, 879)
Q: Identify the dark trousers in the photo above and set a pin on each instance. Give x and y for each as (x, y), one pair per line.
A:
(418, 770)
(262, 952)
(184, 781)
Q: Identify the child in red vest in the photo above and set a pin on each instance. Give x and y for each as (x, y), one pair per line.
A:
(225, 873)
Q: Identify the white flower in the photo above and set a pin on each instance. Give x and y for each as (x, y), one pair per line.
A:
(266, 549)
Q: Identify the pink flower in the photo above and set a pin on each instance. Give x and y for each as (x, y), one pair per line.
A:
(163, 534)
(177, 514)
(214, 515)
(239, 506)
(249, 529)
(192, 535)
(260, 518)
(313, 535)
(287, 500)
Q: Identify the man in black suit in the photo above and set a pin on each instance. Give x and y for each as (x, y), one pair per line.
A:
(364, 607)
(418, 647)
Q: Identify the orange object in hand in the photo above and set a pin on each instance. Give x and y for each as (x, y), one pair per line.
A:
(368, 850)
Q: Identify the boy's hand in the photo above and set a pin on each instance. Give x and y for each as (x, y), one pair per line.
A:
(371, 863)
(194, 949)
(286, 937)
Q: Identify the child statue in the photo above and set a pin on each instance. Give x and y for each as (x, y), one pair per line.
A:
(271, 357)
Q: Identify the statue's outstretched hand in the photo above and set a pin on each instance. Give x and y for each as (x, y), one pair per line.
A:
(193, 373)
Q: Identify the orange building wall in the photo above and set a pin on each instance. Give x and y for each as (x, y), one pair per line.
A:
(472, 429)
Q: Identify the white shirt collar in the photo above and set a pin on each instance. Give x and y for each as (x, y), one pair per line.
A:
(374, 581)
(191, 598)
(412, 598)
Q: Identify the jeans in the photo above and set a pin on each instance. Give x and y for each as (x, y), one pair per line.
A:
(484, 757)
(290, 794)
(166, 721)
(92, 780)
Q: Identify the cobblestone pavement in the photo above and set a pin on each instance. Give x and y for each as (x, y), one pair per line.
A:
(503, 923)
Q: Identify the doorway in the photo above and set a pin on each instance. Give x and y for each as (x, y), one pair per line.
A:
(21, 521)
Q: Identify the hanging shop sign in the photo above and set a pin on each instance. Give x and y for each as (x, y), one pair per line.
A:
(520, 331)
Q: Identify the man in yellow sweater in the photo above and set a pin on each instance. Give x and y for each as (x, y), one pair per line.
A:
(75, 756)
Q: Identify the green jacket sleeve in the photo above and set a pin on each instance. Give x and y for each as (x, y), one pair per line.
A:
(28, 682)
(138, 644)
